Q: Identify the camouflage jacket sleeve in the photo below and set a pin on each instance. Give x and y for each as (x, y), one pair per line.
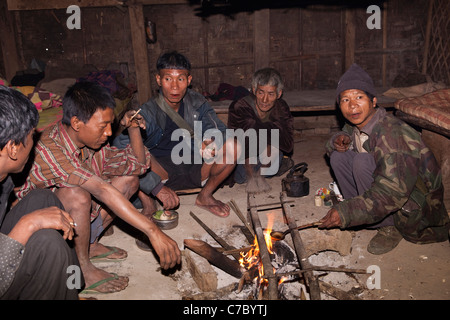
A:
(396, 148)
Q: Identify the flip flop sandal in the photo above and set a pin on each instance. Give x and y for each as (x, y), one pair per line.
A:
(104, 257)
(205, 207)
(90, 289)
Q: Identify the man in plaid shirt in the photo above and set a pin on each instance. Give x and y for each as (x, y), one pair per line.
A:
(92, 179)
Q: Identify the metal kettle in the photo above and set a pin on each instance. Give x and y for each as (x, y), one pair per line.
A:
(296, 184)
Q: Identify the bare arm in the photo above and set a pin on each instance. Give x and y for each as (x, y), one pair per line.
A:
(47, 218)
(165, 247)
(134, 122)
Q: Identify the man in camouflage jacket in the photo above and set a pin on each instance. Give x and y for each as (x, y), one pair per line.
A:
(389, 179)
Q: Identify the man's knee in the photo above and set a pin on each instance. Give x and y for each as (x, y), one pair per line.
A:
(233, 151)
(49, 244)
(75, 197)
(339, 159)
(127, 185)
(363, 164)
(43, 198)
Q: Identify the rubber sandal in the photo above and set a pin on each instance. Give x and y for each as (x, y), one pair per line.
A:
(104, 257)
(90, 289)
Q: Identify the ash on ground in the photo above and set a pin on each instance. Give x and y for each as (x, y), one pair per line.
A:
(291, 289)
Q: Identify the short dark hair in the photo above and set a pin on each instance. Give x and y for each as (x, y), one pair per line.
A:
(83, 99)
(18, 116)
(173, 60)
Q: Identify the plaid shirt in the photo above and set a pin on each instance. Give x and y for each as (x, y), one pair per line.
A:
(59, 163)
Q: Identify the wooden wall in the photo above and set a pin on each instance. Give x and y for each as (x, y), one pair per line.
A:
(307, 44)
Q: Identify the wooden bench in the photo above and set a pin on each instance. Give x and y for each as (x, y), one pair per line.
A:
(308, 101)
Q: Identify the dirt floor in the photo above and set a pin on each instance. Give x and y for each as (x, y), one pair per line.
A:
(409, 272)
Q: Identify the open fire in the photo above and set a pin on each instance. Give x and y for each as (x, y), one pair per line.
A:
(251, 260)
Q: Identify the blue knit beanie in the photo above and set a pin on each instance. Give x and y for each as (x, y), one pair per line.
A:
(355, 78)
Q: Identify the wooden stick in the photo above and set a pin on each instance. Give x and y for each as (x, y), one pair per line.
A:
(218, 259)
(238, 212)
(315, 268)
(239, 250)
(222, 242)
(302, 257)
(263, 251)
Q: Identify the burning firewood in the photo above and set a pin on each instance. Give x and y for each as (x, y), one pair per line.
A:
(218, 259)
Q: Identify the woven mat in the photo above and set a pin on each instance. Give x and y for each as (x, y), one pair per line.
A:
(433, 107)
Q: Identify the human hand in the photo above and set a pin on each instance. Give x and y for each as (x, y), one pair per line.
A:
(168, 197)
(208, 150)
(330, 220)
(167, 249)
(46, 218)
(342, 143)
(132, 119)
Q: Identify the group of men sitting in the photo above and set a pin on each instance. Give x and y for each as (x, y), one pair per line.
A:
(83, 174)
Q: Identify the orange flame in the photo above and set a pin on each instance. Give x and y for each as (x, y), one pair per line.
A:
(252, 258)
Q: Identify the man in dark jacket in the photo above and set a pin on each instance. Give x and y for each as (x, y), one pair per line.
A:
(389, 179)
(34, 256)
(263, 112)
(183, 148)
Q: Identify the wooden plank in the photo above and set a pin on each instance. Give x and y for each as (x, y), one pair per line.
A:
(136, 13)
(63, 4)
(261, 39)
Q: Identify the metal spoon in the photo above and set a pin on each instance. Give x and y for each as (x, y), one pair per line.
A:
(278, 235)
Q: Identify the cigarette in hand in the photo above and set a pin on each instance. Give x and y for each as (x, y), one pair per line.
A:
(134, 115)
(73, 224)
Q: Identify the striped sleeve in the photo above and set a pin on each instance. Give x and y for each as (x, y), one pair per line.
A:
(122, 162)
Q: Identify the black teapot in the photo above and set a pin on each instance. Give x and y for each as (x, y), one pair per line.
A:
(296, 184)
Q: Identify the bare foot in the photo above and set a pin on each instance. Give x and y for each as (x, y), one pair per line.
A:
(257, 184)
(93, 275)
(263, 186)
(213, 205)
(252, 185)
(97, 249)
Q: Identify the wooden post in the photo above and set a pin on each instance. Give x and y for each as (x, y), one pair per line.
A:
(261, 41)
(136, 14)
(8, 42)
(349, 36)
(427, 37)
(384, 43)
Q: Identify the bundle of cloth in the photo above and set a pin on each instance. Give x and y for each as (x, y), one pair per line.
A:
(41, 98)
